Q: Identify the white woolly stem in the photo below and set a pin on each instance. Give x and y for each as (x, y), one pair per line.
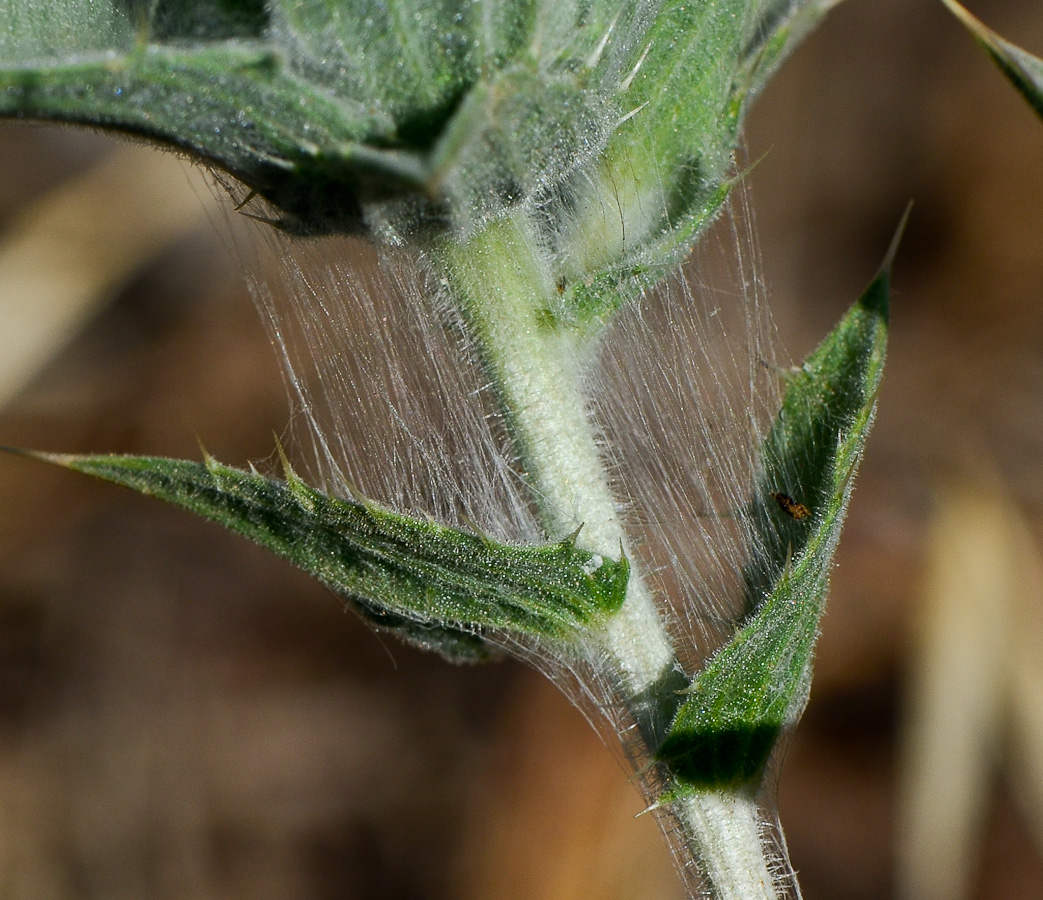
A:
(725, 834)
(500, 280)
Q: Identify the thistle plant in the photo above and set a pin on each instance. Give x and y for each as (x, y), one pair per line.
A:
(545, 168)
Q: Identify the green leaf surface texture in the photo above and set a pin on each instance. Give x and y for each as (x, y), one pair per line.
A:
(395, 118)
(756, 685)
(1024, 70)
(439, 587)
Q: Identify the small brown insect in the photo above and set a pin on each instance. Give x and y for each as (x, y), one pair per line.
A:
(791, 507)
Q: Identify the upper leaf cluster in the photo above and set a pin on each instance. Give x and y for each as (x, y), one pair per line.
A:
(395, 118)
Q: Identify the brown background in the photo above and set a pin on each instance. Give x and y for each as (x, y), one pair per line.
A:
(182, 716)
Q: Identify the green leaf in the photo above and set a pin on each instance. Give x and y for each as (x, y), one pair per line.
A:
(756, 684)
(1024, 70)
(667, 167)
(399, 118)
(439, 587)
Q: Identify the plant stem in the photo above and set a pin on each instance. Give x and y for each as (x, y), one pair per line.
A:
(501, 281)
(503, 285)
(724, 832)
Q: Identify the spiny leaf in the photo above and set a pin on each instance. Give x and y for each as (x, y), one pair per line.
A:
(440, 587)
(757, 684)
(402, 118)
(1024, 70)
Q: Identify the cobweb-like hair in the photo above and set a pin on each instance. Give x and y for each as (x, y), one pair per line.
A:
(391, 402)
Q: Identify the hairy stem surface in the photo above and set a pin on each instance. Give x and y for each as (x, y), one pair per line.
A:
(537, 370)
(507, 294)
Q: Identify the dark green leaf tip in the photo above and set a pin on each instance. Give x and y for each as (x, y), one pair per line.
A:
(17, 451)
(877, 297)
(1022, 69)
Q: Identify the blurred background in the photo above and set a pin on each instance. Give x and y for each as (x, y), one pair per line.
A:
(182, 716)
